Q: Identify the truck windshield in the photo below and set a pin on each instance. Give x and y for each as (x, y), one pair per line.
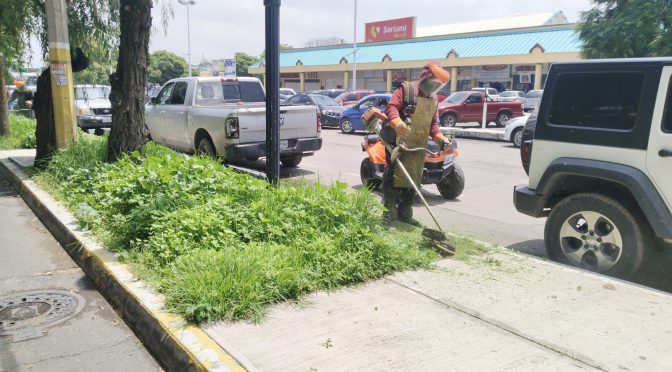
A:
(217, 93)
(457, 97)
(101, 92)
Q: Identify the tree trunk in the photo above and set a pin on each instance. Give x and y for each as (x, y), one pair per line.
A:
(4, 110)
(129, 131)
(45, 130)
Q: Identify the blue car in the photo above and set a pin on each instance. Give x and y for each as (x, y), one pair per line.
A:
(351, 117)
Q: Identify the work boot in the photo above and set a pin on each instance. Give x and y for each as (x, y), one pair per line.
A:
(405, 213)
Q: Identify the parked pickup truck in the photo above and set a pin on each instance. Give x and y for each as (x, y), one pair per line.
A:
(467, 107)
(227, 117)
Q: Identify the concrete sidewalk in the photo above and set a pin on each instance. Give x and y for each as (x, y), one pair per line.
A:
(503, 312)
(90, 337)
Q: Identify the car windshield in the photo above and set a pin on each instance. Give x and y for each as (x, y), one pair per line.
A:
(509, 93)
(100, 92)
(534, 94)
(456, 97)
(323, 100)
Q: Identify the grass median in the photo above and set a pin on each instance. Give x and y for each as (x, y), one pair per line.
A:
(223, 245)
(21, 134)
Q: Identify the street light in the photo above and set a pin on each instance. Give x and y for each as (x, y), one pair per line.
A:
(187, 3)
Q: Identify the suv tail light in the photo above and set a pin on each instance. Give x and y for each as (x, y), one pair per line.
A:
(232, 128)
(318, 124)
(526, 155)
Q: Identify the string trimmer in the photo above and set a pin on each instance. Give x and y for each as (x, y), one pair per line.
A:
(373, 120)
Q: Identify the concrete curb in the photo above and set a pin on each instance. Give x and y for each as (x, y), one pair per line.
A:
(476, 133)
(176, 345)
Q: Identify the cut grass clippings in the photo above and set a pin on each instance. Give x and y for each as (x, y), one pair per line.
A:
(21, 134)
(222, 245)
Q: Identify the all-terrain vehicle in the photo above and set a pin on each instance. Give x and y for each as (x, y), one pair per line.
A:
(440, 167)
(599, 160)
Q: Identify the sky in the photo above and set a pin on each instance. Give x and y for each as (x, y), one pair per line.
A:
(220, 28)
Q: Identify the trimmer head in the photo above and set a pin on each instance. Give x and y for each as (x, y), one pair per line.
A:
(439, 241)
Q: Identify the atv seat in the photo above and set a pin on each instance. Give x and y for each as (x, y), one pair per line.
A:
(372, 138)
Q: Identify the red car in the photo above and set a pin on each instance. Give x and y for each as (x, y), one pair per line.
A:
(351, 97)
(467, 107)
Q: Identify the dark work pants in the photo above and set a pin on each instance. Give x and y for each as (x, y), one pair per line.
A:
(398, 201)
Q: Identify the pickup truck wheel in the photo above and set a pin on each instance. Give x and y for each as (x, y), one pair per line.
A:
(346, 126)
(448, 120)
(366, 173)
(503, 119)
(291, 162)
(451, 186)
(205, 147)
(597, 233)
(517, 137)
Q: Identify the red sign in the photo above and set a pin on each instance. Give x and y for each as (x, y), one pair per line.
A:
(394, 29)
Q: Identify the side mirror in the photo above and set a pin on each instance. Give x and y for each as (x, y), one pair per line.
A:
(153, 100)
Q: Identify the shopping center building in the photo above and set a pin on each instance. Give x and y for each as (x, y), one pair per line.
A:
(512, 54)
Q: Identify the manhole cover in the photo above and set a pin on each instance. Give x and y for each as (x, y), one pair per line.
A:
(24, 315)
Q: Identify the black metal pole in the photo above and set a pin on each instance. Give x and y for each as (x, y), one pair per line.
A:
(272, 87)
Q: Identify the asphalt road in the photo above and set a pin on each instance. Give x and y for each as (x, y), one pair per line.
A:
(94, 339)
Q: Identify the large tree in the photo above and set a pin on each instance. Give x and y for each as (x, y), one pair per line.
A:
(165, 65)
(627, 28)
(129, 131)
(243, 63)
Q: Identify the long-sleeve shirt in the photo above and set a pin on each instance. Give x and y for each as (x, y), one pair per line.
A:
(395, 109)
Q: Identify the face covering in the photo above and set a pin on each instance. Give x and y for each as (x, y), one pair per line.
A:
(429, 86)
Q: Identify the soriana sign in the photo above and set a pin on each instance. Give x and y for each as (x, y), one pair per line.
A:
(394, 29)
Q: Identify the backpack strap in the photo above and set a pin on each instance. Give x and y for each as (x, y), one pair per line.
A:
(409, 93)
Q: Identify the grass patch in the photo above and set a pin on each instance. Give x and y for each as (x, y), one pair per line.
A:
(21, 134)
(224, 245)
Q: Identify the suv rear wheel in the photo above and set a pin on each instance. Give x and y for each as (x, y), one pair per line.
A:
(596, 233)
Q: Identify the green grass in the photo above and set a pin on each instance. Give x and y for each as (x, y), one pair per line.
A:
(223, 245)
(21, 134)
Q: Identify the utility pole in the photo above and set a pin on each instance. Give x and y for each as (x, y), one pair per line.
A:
(354, 53)
(61, 73)
(272, 90)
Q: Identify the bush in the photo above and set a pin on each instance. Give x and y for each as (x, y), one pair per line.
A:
(21, 134)
(224, 245)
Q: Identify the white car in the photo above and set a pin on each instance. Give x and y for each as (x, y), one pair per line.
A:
(514, 130)
(287, 91)
(94, 110)
(492, 93)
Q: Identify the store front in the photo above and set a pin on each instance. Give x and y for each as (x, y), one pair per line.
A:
(383, 66)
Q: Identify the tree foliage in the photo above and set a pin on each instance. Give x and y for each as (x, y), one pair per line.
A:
(243, 63)
(165, 65)
(324, 41)
(627, 28)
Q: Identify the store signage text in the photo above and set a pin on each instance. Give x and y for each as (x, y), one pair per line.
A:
(393, 29)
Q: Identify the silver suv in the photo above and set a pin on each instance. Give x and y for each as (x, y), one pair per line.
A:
(600, 161)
